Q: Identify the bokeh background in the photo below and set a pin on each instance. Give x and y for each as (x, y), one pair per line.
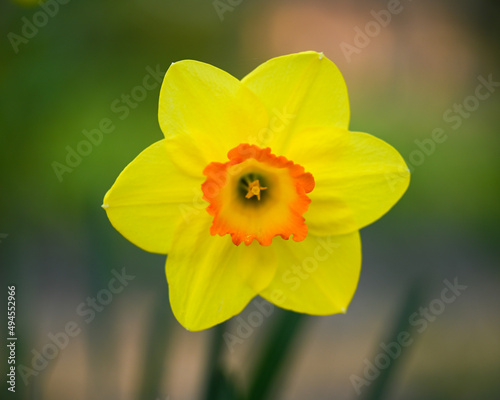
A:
(59, 249)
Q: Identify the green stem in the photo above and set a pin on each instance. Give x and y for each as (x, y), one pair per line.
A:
(401, 324)
(218, 386)
(274, 354)
(156, 348)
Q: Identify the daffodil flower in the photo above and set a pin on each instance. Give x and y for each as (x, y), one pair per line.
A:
(258, 188)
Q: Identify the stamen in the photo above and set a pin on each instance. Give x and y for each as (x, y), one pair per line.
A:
(254, 189)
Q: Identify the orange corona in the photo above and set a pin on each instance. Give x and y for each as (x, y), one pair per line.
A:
(257, 195)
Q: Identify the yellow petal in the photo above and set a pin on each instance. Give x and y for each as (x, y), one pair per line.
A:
(204, 112)
(149, 197)
(316, 276)
(300, 91)
(358, 179)
(211, 279)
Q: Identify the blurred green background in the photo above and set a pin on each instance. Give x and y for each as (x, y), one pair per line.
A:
(65, 67)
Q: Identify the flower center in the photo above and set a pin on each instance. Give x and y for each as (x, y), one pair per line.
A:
(254, 189)
(257, 195)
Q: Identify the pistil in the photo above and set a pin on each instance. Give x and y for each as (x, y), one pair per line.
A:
(254, 189)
